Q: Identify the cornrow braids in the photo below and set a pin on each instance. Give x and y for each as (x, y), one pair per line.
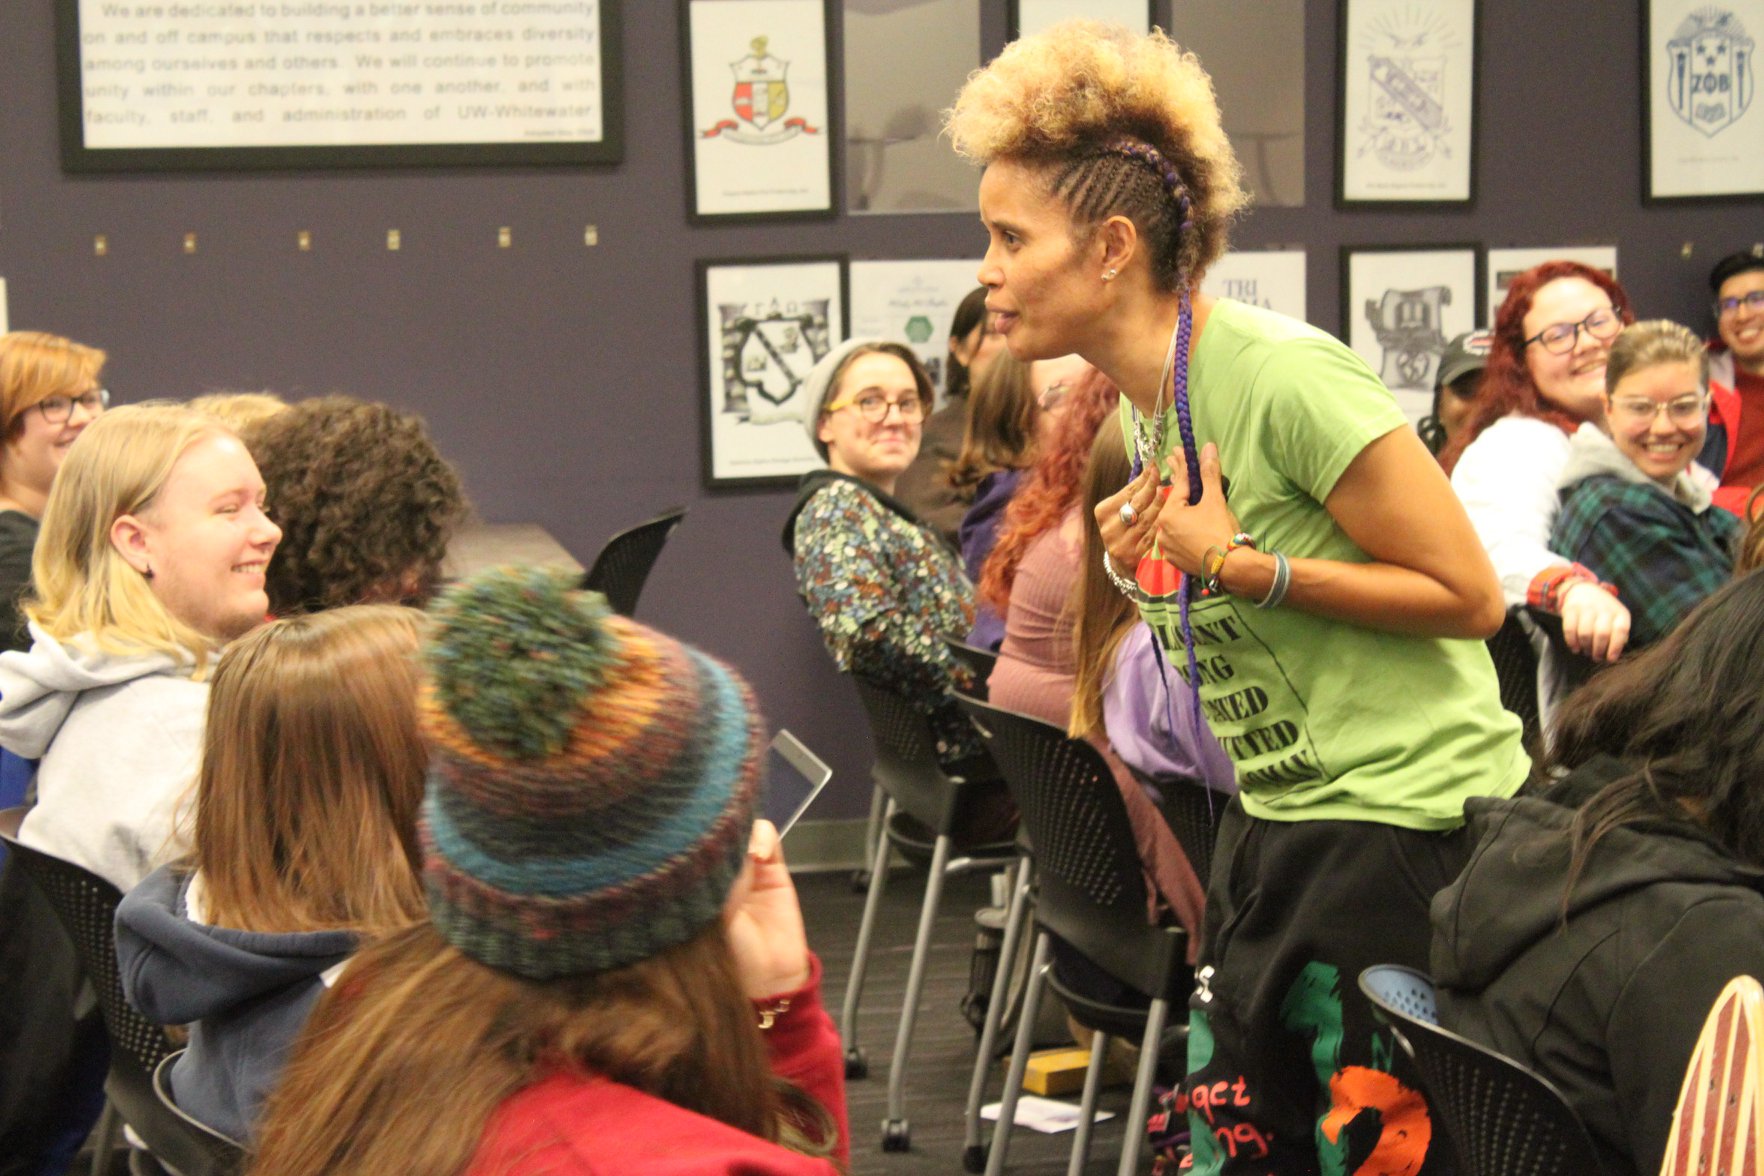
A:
(1130, 177)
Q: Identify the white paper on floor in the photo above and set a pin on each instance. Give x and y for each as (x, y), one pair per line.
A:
(1043, 1114)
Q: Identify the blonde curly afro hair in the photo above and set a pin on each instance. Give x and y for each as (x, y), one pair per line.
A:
(1081, 102)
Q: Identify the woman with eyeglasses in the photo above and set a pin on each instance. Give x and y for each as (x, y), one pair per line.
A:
(883, 588)
(1631, 512)
(1546, 377)
(49, 393)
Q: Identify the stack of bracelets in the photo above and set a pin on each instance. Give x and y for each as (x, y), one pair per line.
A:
(1212, 565)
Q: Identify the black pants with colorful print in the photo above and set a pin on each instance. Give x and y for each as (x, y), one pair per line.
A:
(1289, 1071)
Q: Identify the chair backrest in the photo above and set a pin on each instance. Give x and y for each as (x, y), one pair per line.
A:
(1502, 1118)
(1090, 881)
(228, 1154)
(623, 565)
(980, 661)
(86, 905)
(1515, 663)
(906, 765)
(1192, 811)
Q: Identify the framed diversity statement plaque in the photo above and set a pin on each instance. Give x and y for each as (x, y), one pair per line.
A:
(230, 84)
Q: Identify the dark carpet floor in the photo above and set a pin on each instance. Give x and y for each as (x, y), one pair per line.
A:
(942, 1056)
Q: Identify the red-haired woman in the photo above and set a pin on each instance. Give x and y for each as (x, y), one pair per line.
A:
(1546, 376)
(1031, 578)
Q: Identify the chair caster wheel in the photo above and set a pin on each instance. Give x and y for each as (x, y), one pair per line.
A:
(856, 1064)
(897, 1136)
(974, 1159)
(860, 881)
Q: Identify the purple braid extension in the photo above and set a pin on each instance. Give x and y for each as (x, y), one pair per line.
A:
(1191, 458)
(1153, 158)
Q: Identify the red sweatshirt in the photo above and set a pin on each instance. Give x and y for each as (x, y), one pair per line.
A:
(582, 1125)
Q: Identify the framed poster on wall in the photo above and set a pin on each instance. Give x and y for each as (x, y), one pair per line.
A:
(1504, 265)
(160, 85)
(763, 323)
(1702, 130)
(1270, 278)
(1028, 17)
(911, 302)
(759, 144)
(1405, 127)
(1401, 305)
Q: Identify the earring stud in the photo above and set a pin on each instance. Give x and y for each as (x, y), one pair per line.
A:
(1109, 274)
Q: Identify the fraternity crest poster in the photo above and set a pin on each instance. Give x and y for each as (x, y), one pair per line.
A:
(764, 324)
(1705, 131)
(1408, 76)
(1400, 308)
(758, 108)
(911, 302)
(1506, 264)
(1273, 279)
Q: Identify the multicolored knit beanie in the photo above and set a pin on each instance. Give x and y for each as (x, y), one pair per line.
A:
(592, 782)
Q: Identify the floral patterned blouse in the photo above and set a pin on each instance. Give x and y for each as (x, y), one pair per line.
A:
(885, 592)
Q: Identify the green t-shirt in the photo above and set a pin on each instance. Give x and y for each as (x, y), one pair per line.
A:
(1325, 720)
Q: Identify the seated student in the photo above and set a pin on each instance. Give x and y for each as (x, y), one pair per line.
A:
(1632, 511)
(881, 586)
(1455, 388)
(1734, 451)
(367, 503)
(614, 977)
(303, 843)
(1600, 915)
(998, 446)
(1036, 569)
(973, 345)
(49, 392)
(151, 559)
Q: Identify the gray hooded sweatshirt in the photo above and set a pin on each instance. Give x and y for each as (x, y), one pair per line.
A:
(244, 994)
(119, 738)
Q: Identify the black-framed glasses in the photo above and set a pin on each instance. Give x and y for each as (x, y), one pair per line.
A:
(58, 410)
(1560, 338)
(873, 407)
(1753, 302)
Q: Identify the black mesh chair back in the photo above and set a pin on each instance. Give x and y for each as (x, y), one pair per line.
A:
(1090, 882)
(1502, 1118)
(86, 905)
(1515, 663)
(1192, 811)
(623, 565)
(980, 661)
(906, 765)
(229, 1155)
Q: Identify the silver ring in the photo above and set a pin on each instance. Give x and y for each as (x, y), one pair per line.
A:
(1129, 516)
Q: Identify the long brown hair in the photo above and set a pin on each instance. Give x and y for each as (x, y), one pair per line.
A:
(1051, 489)
(403, 1063)
(1001, 424)
(312, 775)
(1507, 386)
(1104, 614)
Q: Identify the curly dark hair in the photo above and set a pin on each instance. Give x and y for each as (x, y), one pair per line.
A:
(365, 503)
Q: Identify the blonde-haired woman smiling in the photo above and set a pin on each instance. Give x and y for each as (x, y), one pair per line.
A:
(152, 557)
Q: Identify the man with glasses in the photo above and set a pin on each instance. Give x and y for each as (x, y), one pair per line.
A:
(1735, 446)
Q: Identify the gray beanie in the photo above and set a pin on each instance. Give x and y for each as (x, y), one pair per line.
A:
(818, 386)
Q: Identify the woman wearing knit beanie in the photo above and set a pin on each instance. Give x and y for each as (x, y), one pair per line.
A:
(614, 976)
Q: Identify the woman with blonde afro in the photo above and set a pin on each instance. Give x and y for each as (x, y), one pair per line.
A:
(1328, 615)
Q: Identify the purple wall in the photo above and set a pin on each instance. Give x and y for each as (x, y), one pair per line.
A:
(563, 380)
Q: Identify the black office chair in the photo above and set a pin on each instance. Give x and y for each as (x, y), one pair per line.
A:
(980, 661)
(1515, 663)
(86, 905)
(1090, 890)
(1192, 810)
(1502, 1118)
(623, 565)
(227, 1151)
(907, 771)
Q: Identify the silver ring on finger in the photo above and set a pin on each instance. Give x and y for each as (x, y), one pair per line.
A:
(1129, 516)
